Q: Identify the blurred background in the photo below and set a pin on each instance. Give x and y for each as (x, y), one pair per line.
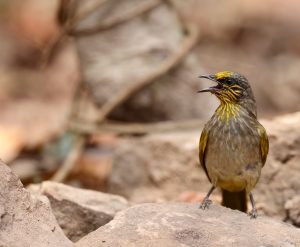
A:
(101, 94)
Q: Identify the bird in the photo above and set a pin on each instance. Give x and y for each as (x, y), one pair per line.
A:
(233, 145)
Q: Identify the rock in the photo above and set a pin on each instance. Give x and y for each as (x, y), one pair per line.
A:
(293, 210)
(180, 86)
(182, 224)
(157, 167)
(110, 58)
(80, 211)
(160, 167)
(112, 61)
(280, 177)
(26, 220)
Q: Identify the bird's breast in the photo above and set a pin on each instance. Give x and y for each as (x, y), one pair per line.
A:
(233, 157)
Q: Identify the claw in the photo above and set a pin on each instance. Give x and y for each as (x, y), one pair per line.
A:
(205, 204)
(253, 214)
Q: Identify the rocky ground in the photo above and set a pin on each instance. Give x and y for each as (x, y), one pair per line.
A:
(157, 168)
(182, 224)
(53, 90)
(163, 166)
(79, 211)
(27, 220)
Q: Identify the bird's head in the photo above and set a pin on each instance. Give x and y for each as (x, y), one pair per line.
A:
(231, 87)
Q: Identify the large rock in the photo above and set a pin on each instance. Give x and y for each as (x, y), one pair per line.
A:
(157, 167)
(80, 211)
(162, 166)
(26, 220)
(280, 177)
(185, 225)
(112, 61)
(180, 86)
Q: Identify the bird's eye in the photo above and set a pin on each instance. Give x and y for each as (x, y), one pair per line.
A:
(229, 82)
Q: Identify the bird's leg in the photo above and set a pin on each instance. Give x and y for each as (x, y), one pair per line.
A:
(253, 212)
(206, 202)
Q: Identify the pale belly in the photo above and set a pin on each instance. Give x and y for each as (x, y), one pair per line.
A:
(233, 162)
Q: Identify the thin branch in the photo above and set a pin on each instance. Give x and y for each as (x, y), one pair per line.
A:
(104, 25)
(70, 161)
(123, 95)
(134, 128)
(68, 17)
(88, 11)
(51, 49)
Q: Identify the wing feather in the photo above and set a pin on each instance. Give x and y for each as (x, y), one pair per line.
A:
(264, 143)
(202, 149)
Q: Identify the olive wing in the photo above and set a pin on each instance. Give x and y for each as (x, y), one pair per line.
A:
(264, 143)
(202, 149)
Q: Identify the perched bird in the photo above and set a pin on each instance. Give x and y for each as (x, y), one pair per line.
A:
(233, 145)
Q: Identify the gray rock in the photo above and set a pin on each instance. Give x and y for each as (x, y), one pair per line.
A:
(120, 57)
(79, 211)
(26, 220)
(172, 97)
(180, 224)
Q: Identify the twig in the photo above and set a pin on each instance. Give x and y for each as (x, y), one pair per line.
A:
(81, 129)
(134, 128)
(70, 161)
(68, 18)
(104, 25)
(120, 97)
(52, 47)
(88, 11)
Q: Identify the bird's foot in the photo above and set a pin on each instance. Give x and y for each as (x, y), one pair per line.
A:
(205, 204)
(253, 214)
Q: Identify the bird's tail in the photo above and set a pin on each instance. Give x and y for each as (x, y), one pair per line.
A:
(235, 200)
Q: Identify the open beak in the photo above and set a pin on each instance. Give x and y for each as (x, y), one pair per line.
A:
(213, 88)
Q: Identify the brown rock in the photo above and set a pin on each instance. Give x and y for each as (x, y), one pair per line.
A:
(184, 224)
(80, 211)
(162, 166)
(26, 220)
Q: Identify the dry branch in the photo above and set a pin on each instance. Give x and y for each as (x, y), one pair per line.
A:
(69, 16)
(83, 128)
(134, 128)
(70, 161)
(85, 12)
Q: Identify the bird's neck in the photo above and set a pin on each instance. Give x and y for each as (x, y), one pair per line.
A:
(228, 110)
(232, 109)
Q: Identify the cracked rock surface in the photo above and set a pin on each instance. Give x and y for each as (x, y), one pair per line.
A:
(182, 224)
(26, 220)
(79, 211)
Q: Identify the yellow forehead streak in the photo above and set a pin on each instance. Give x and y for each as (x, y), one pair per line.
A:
(223, 74)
